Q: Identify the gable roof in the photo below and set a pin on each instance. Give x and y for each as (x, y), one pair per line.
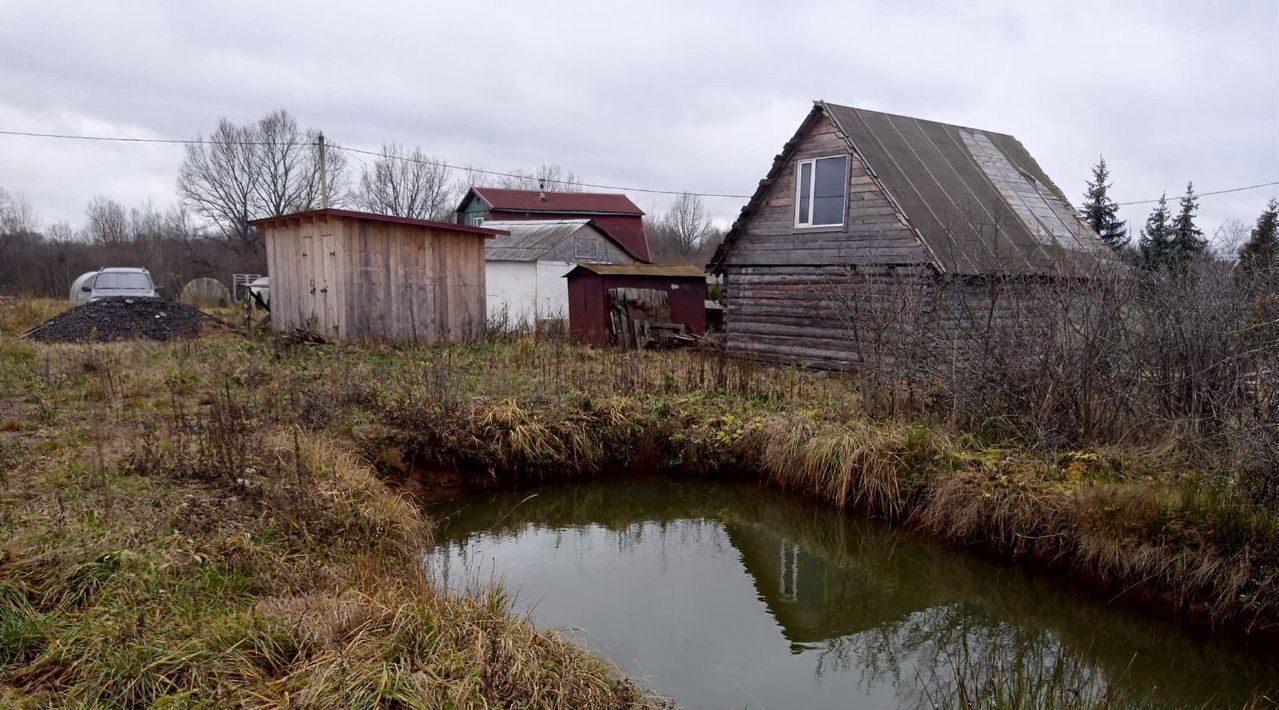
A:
(529, 240)
(531, 201)
(612, 213)
(976, 199)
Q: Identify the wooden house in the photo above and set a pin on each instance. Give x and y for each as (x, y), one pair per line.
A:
(525, 267)
(596, 291)
(348, 275)
(614, 214)
(868, 206)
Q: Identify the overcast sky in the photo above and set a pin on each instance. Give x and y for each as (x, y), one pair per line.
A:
(686, 95)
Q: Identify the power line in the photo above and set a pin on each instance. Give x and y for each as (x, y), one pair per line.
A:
(517, 176)
(1204, 194)
(118, 139)
(439, 163)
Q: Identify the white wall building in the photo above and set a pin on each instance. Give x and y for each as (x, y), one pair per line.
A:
(525, 268)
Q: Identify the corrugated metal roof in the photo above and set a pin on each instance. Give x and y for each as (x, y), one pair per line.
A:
(531, 201)
(374, 217)
(529, 240)
(977, 198)
(663, 270)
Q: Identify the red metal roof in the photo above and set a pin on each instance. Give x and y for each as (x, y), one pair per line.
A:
(374, 217)
(579, 202)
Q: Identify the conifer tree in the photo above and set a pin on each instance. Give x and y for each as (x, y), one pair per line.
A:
(1101, 212)
(1156, 237)
(1261, 252)
(1187, 239)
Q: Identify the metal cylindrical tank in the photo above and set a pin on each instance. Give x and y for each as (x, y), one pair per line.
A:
(79, 296)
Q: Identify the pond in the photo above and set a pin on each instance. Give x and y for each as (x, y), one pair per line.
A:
(730, 595)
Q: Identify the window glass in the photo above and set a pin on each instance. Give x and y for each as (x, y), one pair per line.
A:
(805, 191)
(123, 281)
(828, 191)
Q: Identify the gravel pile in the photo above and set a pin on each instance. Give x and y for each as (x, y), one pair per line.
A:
(124, 318)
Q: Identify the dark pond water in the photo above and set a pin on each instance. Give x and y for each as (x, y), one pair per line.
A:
(726, 595)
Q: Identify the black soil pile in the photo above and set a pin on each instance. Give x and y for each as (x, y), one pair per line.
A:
(125, 318)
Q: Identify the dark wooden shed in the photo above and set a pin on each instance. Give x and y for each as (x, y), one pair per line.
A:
(348, 275)
(589, 297)
(864, 215)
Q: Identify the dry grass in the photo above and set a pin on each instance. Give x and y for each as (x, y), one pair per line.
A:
(194, 522)
(18, 315)
(171, 542)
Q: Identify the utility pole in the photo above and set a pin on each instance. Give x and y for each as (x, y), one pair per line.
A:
(324, 177)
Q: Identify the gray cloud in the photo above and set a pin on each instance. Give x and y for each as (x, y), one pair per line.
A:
(685, 96)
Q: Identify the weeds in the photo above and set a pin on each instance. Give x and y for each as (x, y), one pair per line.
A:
(252, 557)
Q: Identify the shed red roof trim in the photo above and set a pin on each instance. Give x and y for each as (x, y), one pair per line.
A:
(531, 201)
(374, 217)
(669, 271)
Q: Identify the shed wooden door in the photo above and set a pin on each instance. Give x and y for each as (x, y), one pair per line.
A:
(328, 286)
(306, 303)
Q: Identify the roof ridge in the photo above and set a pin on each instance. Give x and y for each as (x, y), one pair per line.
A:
(916, 118)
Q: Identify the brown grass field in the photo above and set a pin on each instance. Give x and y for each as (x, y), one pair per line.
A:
(217, 522)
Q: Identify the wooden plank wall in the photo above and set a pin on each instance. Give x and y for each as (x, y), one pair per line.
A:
(409, 284)
(289, 260)
(376, 281)
(872, 233)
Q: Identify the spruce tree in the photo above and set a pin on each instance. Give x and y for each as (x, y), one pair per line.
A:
(1156, 238)
(1187, 239)
(1101, 212)
(1261, 252)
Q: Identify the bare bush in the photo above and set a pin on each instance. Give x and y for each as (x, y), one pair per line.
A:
(1118, 356)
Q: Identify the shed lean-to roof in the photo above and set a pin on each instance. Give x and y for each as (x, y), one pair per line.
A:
(530, 240)
(374, 217)
(677, 271)
(547, 201)
(976, 199)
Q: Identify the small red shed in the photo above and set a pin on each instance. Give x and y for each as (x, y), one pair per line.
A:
(589, 299)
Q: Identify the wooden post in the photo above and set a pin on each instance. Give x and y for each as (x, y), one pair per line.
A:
(324, 178)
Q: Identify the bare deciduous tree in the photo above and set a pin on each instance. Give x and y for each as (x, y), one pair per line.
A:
(16, 214)
(264, 169)
(549, 177)
(683, 233)
(288, 162)
(687, 223)
(108, 222)
(218, 179)
(407, 184)
(17, 220)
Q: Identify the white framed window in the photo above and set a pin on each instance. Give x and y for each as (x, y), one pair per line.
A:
(477, 221)
(821, 191)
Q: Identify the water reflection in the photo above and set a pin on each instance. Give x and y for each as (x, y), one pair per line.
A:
(726, 595)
